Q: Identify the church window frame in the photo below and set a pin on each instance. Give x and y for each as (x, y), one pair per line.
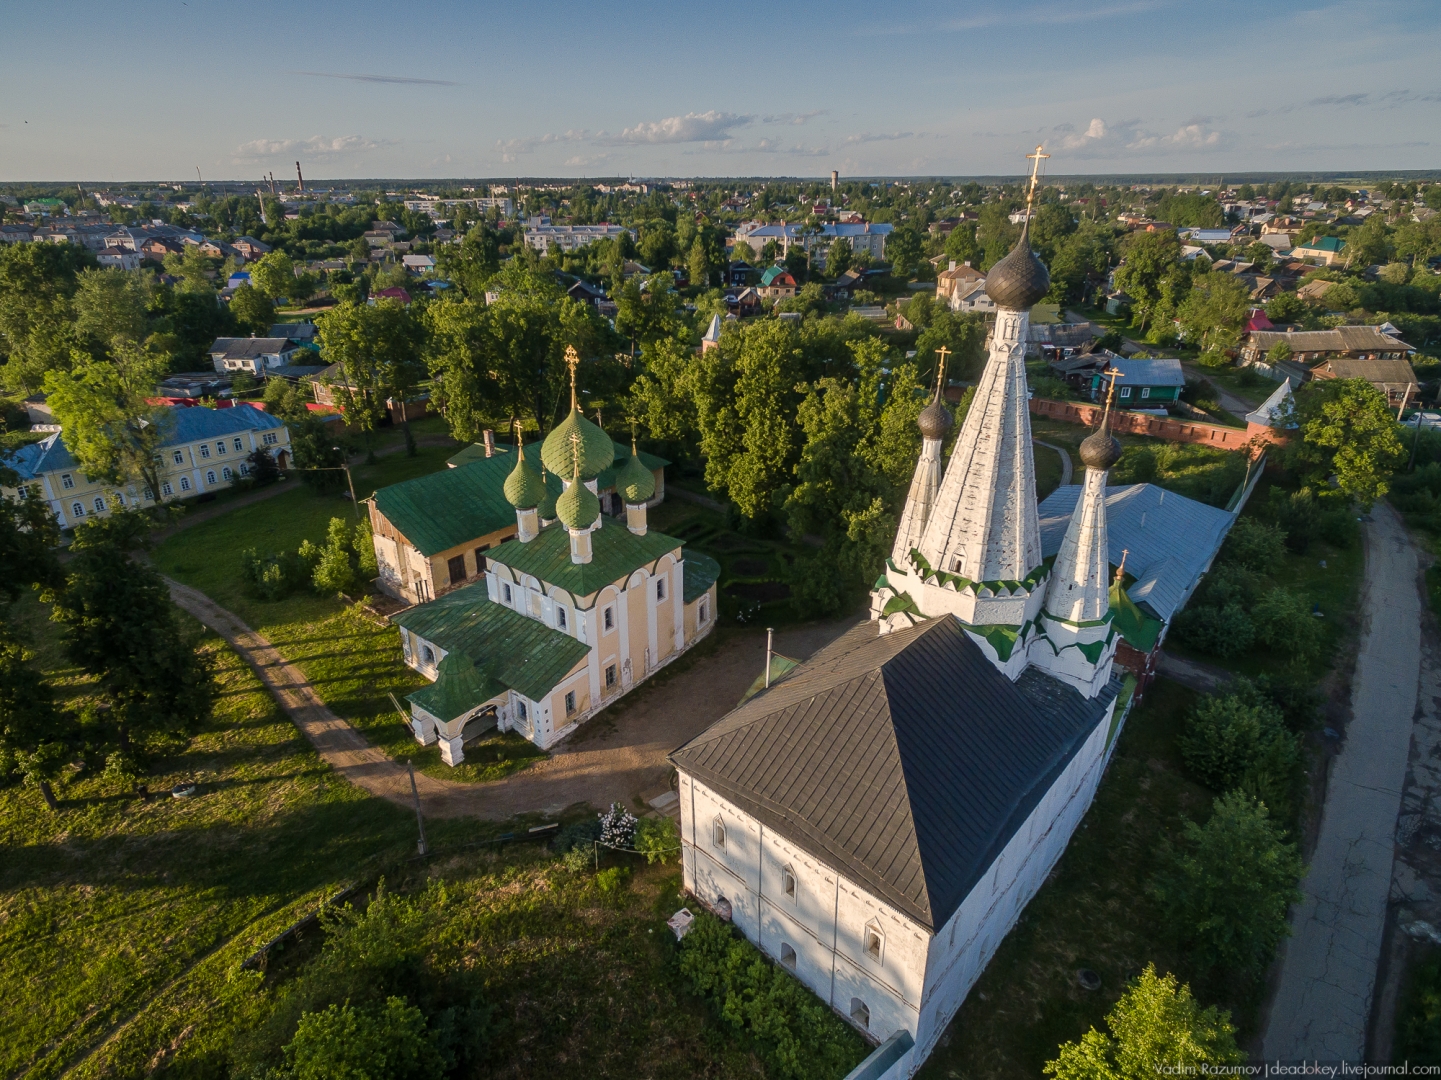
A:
(521, 710)
(607, 617)
(718, 833)
(788, 955)
(873, 942)
(427, 655)
(561, 623)
(609, 676)
(788, 882)
(703, 611)
(660, 590)
(570, 703)
(505, 592)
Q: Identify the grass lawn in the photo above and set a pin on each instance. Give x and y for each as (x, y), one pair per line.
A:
(1092, 912)
(1048, 470)
(1250, 386)
(122, 921)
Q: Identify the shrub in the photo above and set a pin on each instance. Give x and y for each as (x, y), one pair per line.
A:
(1224, 631)
(1214, 358)
(334, 572)
(273, 577)
(1225, 891)
(385, 1042)
(1284, 621)
(1418, 1029)
(1255, 544)
(1157, 1027)
(799, 1036)
(658, 839)
(617, 827)
(1239, 740)
(577, 835)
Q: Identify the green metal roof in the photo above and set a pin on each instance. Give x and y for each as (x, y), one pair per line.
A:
(615, 553)
(506, 648)
(772, 273)
(701, 572)
(459, 687)
(442, 509)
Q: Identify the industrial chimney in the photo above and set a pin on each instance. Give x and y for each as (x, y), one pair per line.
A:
(835, 177)
(298, 178)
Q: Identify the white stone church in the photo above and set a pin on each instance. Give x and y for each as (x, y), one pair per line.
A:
(877, 821)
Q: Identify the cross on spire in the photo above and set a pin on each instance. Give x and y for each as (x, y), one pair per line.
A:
(1036, 158)
(575, 450)
(1121, 570)
(941, 355)
(1115, 374)
(572, 361)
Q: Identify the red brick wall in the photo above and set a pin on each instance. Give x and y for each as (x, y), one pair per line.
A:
(1158, 427)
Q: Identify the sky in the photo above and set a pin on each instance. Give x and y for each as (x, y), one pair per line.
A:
(99, 90)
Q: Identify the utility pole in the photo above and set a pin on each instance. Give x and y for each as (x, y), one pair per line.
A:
(344, 464)
(415, 796)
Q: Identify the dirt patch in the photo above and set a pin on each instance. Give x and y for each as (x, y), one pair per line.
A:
(761, 591)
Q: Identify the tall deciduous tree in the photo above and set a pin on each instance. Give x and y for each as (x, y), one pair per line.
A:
(109, 428)
(37, 283)
(1151, 273)
(113, 305)
(273, 275)
(252, 309)
(379, 348)
(1157, 1028)
(1347, 430)
(1214, 310)
(120, 628)
(35, 737)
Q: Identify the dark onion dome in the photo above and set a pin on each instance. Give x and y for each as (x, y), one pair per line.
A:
(935, 420)
(577, 506)
(635, 482)
(597, 452)
(1020, 280)
(1100, 450)
(524, 489)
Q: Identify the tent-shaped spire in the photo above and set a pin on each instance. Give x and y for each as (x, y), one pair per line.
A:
(935, 423)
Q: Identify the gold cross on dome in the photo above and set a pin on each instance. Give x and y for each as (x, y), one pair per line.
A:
(572, 361)
(941, 355)
(1121, 570)
(1037, 158)
(1115, 374)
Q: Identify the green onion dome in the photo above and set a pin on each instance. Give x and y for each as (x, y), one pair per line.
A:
(635, 482)
(546, 507)
(524, 488)
(597, 452)
(577, 506)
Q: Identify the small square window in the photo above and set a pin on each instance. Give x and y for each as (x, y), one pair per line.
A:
(609, 676)
(569, 702)
(178, 457)
(204, 449)
(67, 481)
(788, 956)
(608, 617)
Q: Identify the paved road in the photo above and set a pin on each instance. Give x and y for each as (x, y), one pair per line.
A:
(1328, 968)
(618, 755)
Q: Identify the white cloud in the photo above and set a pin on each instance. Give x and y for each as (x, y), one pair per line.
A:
(880, 137)
(509, 148)
(317, 146)
(1122, 138)
(709, 126)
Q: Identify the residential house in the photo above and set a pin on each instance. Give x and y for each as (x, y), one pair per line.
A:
(204, 450)
(1342, 343)
(1223, 235)
(743, 302)
(393, 293)
(418, 264)
(300, 332)
(252, 355)
(1142, 384)
(586, 293)
(739, 272)
(1314, 291)
(777, 284)
(250, 248)
(845, 285)
(1394, 378)
(957, 280)
(114, 258)
(1325, 250)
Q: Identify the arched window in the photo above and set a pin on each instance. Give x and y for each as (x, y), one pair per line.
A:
(99, 505)
(788, 956)
(788, 882)
(226, 473)
(718, 834)
(210, 476)
(78, 509)
(861, 1013)
(427, 654)
(185, 483)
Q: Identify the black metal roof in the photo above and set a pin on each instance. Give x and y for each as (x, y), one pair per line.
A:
(905, 760)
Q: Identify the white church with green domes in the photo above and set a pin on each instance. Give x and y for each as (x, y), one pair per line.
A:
(569, 615)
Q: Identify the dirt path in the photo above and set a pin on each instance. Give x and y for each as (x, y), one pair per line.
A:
(1328, 968)
(1227, 400)
(1065, 460)
(619, 755)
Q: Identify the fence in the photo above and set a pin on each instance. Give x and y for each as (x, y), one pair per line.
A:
(1158, 427)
